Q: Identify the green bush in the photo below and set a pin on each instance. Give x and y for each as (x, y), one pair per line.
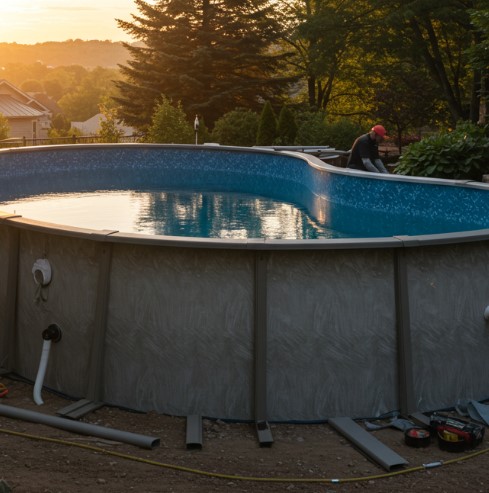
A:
(238, 128)
(460, 154)
(109, 131)
(342, 133)
(169, 125)
(311, 129)
(267, 126)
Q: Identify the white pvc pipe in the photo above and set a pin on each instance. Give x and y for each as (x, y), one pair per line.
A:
(41, 372)
(80, 427)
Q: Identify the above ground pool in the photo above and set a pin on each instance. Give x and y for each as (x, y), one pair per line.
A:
(241, 283)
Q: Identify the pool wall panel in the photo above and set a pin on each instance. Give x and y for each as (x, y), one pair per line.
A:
(332, 333)
(181, 323)
(69, 301)
(449, 291)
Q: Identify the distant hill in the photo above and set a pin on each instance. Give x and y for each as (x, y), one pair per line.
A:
(88, 54)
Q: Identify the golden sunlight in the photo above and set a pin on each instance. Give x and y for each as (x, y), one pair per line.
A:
(37, 21)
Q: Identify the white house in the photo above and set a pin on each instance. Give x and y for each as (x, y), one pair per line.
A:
(26, 116)
(92, 126)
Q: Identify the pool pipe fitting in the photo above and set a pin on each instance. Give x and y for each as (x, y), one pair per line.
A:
(486, 313)
(52, 333)
(49, 335)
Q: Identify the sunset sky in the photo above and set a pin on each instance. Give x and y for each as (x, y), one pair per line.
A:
(36, 21)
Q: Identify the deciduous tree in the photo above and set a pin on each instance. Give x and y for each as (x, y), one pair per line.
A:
(170, 125)
(437, 34)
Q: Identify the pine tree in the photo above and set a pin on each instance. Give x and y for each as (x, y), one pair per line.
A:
(212, 55)
(267, 128)
(286, 127)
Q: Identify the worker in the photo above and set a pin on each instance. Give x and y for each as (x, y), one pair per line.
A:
(364, 154)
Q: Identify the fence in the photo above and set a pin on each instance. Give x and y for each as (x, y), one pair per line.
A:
(73, 139)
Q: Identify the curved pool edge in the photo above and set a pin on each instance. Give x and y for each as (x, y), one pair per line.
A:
(250, 329)
(115, 236)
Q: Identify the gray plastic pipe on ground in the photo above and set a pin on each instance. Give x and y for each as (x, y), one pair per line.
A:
(142, 441)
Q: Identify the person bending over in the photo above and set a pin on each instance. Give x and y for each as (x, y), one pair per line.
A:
(365, 151)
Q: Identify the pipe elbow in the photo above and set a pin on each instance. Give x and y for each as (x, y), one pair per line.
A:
(52, 333)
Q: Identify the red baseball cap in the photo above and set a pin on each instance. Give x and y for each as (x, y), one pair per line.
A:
(379, 130)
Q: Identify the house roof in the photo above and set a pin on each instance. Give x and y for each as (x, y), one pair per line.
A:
(8, 89)
(11, 108)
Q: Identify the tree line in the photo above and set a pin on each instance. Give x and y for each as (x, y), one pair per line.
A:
(89, 54)
(406, 63)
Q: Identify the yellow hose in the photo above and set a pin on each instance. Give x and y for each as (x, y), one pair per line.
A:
(238, 477)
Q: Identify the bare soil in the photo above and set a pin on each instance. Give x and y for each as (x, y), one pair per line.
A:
(36, 458)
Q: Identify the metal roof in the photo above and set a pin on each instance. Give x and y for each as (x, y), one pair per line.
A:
(11, 108)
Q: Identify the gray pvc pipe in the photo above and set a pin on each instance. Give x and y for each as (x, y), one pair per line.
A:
(81, 428)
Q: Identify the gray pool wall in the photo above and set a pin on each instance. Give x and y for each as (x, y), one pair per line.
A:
(245, 329)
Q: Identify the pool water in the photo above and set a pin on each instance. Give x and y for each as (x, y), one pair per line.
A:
(175, 213)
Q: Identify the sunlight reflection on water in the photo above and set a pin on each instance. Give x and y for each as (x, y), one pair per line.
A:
(174, 213)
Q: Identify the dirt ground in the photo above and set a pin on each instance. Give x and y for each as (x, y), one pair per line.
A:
(37, 458)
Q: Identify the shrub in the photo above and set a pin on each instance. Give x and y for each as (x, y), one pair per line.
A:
(109, 131)
(311, 129)
(238, 127)
(342, 133)
(169, 125)
(460, 154)
(267, 126)
(61, 124)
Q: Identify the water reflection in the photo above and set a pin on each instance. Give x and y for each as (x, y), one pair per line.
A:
(175, 213)
(226, 215)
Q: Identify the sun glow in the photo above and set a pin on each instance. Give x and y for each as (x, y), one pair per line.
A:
(37, 21)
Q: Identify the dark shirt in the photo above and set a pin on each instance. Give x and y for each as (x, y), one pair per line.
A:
(363, 148)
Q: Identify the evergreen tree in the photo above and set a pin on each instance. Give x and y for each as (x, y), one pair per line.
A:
(212, 55)
(267, 128)
(286, 127)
